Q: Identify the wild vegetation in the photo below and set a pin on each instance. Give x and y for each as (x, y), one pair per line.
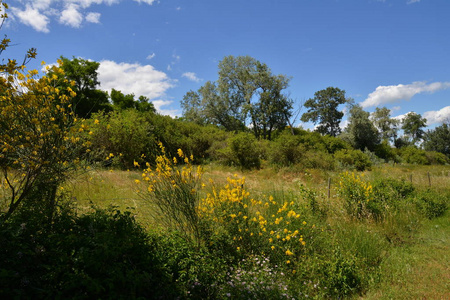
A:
(102, 197)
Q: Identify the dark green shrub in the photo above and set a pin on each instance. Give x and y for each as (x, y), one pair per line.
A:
(386, 152)
(412, 155)
(242, 151)
(102, 254)
(431, 203)
(437, 158)
(353, 159)
(286, 150)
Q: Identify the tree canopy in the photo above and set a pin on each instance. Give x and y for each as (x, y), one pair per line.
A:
(246, 94)
(413, 125)
(89, 99)
(323, 110)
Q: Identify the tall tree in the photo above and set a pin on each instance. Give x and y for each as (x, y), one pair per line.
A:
(438, 139)
(387, 126)
(361, 131)
(83, 73)
(246, 93)
(323, 110)
(413, 125)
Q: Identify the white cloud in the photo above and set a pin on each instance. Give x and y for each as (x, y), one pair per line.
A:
(93, 17)
(71, 16)
(149, 2)
(134, 78)
(150, 56)
(178, 8)
(39, 13)
(32, 17)
(191, 76)
(437, 117)
(395, 93)
(412, 1)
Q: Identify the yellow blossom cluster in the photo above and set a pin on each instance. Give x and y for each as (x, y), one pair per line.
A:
(254, 225)
(39, 134)
(356, 192)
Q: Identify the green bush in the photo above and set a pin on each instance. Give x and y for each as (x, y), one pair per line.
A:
(437, 158)
(412, 155)
(102, 254)
(431, 203)
(242, 151)
(353, 159)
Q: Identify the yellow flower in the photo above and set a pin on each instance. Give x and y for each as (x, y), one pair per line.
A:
(288, 252)
(136, 164)
(180, 153)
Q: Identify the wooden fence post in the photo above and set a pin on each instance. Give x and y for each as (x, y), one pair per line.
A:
(329, 188)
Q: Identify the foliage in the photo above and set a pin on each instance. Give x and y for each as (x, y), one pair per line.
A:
(123, 102)
(412, 155)
(387, 126)
(361, 132)
(121, 138)
(241, 151)
(438, 139)
(102, 254)
(353, 159)
(357, 194)
(322, 110)
(40, 136)
(431, 203)
(246, 93)
(241, 226)
(174, 193)
(413, 125)
(88, 99)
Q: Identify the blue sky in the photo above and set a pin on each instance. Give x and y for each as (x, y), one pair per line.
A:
(393, 53)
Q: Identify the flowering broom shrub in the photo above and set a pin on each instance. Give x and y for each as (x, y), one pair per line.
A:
(243, 226)
(173, 191)
(357, 195)
(40, 138)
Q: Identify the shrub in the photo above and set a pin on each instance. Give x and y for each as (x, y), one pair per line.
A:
(102, 254)
(437, 158)
(431, 203)
(353, 159)
(242, 151)
(412, 155)
(357, 195)
(40, 136)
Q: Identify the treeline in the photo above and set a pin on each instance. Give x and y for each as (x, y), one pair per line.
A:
(245, 119)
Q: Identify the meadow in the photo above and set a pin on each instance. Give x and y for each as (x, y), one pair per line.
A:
(396, 251)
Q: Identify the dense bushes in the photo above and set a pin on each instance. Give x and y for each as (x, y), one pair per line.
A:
(102, 254)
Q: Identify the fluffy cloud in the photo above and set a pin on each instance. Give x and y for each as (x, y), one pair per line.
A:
(150, 56)
(32, 17)
(437, 117)
(93, 17)
(395, 93)
(412, 1)
(191, 76)
(136, 79)
(149, 2)
(71, 16)
(39, 13)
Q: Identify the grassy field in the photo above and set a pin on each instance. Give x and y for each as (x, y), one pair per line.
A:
(413, 250)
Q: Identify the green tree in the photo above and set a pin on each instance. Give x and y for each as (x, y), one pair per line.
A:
(89, 99)
(246, 93)
(413, 125)
(438, 139)
(361, 131)
(323, 110)
(386, 125)
(122, 102)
